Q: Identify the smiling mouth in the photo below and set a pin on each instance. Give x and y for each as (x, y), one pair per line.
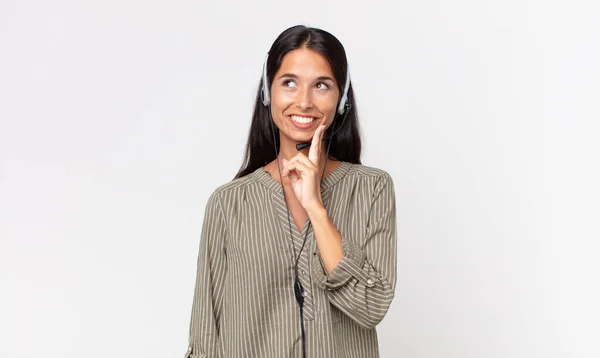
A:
(302, 120)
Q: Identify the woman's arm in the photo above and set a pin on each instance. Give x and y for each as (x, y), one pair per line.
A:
(362, 283)
(210, 277)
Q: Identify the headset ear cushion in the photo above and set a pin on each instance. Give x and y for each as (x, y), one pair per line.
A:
(264, 94)
(345, 107)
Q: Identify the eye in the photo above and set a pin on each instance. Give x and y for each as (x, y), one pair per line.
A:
(289, 83)
(323, 84)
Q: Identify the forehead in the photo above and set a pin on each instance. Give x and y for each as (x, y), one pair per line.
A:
(305, 62)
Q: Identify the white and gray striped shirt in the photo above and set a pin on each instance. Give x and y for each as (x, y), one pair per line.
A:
(244, 303)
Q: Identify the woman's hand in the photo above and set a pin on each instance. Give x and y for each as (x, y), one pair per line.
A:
(305, 175)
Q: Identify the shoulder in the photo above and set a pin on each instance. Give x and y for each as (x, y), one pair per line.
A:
(231, 188)
(378, 176)
(377, 185)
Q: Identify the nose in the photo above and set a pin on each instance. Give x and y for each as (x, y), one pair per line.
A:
(305, 99)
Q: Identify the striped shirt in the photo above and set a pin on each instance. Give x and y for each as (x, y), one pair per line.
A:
(244, 303)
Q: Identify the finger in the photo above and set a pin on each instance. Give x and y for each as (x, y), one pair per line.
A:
(316, 145)
(294, 177)
(288, 162)
(315, 148)
(302, 158)
(300, 168)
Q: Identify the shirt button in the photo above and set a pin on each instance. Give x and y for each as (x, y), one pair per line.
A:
(303, 272)
(370, 282)
(304, 294)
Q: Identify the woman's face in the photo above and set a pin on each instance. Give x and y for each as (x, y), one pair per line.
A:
(304, 94)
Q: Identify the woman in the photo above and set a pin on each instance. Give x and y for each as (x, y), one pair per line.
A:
(317, 286)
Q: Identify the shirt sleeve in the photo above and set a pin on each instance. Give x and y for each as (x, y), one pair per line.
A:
(362, 284)
(208, 293)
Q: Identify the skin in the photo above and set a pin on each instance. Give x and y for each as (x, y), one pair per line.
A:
(312, 91)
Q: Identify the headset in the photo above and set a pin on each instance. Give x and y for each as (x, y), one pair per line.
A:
(342, 109)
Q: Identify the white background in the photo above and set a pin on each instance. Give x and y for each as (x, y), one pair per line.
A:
(119, 118)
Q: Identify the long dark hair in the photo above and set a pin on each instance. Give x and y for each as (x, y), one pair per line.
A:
(346, 143)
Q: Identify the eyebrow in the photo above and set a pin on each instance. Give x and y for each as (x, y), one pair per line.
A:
(320, 78)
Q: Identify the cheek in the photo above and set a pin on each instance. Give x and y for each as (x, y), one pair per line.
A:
(329, 101)
(282, 99)
(329, 106)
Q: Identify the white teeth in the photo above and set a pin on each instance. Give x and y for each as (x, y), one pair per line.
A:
(302, 120)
